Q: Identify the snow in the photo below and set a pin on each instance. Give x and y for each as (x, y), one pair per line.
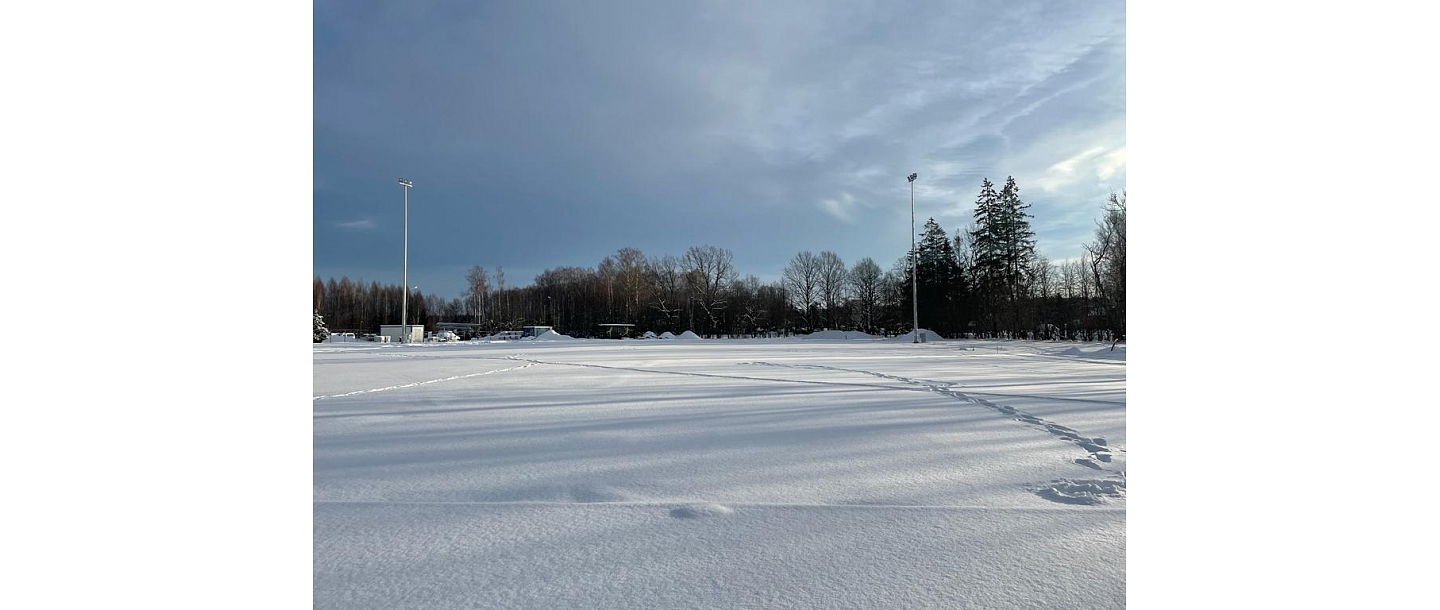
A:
(667, 335)
(1102, 351)
(839, 335)
(688, 336)
(551, 335)
(926, 335)
(722, 473)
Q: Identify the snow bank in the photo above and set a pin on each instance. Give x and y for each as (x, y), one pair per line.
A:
(1097, 351)
(926, 335)
(839, 335)
(553, 335)
(649, 334)
(688, 336)
(667, 335)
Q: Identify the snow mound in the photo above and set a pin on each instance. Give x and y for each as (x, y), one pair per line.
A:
(840, 335)
(1097, 491)
(551, 335)
(698, 511)
(926, 335)
(667, 335)
(688, 336)
(649, 334)
(1101, 351)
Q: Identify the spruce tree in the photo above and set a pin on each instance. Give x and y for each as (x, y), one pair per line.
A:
(987, 252)
(940, 281)
(321, 333)
(1017, 248)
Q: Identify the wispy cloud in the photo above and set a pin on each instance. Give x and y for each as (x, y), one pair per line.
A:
(731, 125)
(1072, 169)
(1111, 164)
(365, 224)
(842, 207)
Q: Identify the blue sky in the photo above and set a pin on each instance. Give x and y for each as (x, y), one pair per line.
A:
(546, 134)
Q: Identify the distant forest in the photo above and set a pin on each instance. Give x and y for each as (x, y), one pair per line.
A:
(985, 280)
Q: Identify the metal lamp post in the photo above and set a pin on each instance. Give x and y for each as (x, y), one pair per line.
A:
(405, 268)
(914, 264)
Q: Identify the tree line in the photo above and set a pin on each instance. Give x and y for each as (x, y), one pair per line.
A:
(985, 280)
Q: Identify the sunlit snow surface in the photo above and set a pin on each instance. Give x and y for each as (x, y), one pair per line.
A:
(719, 474)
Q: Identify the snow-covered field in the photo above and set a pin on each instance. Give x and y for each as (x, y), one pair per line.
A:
(833, 472)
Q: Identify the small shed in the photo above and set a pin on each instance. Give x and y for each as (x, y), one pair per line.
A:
(534, 331)
(417, 333)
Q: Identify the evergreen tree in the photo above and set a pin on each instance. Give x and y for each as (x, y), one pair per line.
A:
(1017, 247)
(321, 333)
(937, 259)
(941, 284)
(1003, 255)
(986, 252)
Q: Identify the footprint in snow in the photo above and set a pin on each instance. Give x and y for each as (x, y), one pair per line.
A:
(1082, 492)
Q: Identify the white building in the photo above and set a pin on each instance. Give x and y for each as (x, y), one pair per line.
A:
(417, 332)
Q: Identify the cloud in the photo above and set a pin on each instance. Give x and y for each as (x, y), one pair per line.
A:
(842, 207)
(731, 125)
(1068, 171)
(1111, 164)
(358, 225)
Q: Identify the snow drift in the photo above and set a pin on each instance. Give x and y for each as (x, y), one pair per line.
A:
(1100, 351)
(926, 335)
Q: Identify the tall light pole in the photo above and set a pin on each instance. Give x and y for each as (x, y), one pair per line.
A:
(405, 268)
(914, 264)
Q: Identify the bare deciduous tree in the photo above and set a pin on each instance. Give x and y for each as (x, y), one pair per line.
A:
(865, 282)
(1107, 263)
(834, 283)
(802, 280)
(709, 269)
(477, 283)
(667, 287)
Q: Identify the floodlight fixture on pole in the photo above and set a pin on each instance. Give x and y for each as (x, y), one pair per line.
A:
(405, 267)
(914, 264)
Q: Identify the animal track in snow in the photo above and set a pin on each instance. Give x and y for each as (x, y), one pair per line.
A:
(1096, 446)
(1084, 492)
(420, 383)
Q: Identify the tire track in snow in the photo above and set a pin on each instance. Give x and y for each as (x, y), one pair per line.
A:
(420, 383)
(1095, 446)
